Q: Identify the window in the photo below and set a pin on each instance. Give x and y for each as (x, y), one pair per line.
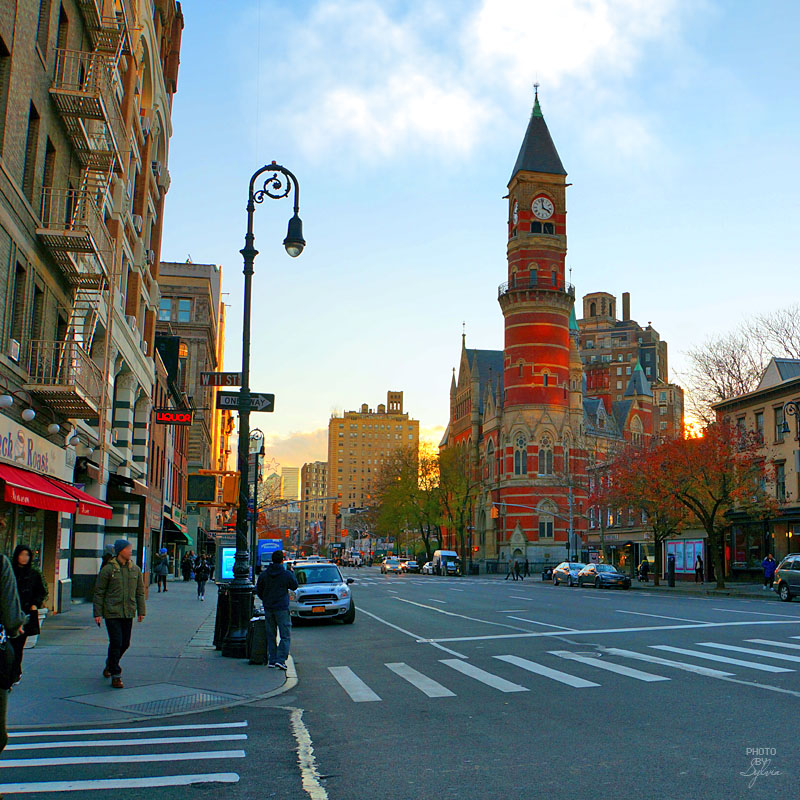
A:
(546, 509)
(489, 469)
(662, 397)
(18, 304)
(5, 78)
(548, 228)
(47, 177)
(43, 25)
(63, 28)
(521, 455)
(546, 456)
(760, 425)
(184, 310)
(546, 378)
(555, 278)
(619, 370)
(780, 482)
(165, 309)
(536, 227)
(780, 420)
(31, 145)
(627, 370)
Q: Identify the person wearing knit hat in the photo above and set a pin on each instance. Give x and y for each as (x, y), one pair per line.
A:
(161, 569)
(118, 598)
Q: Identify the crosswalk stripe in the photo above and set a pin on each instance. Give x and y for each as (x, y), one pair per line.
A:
(202, 755)
(775, 644)
(721, 659)
(118, 783)
(711, 673)
(425, 684)
(149, 729)
(751, 651)
(620, 669)
(358, 690)
(547, 672)
(481, 675)
(229, 737)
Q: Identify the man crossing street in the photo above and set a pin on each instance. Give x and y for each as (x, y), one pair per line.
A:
(273, 588)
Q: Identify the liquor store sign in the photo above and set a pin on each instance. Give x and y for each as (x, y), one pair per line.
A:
(28, 450)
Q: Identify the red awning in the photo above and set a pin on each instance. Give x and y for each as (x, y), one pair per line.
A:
(88, 506)
(31, 489)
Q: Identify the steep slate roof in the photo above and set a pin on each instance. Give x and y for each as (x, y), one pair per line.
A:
(538, 153)
(489, 366)
(592, 408)
(779, 370)
(638, 384)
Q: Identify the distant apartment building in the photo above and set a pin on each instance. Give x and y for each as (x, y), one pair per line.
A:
(191, 315)
(359, 443)
(290, 483)
(313, 485)
(610, 349)
(86, 93)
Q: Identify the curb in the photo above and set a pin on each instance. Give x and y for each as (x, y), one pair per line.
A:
(727, 592)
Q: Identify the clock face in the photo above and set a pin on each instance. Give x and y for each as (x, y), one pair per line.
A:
(542, 208)
(515, 213)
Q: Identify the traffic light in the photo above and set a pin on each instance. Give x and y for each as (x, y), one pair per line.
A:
(344, 532)
(201, 488)
(495, 512)
(476, 548)
(337, 507)
(230, 489)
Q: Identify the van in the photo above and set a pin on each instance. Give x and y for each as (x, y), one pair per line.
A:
(445, 562)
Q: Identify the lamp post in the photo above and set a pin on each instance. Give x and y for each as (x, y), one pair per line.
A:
(257, 439)
(278, 183)
(792, 408)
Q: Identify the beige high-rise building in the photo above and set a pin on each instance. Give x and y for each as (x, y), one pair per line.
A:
(290, 483)
(313, 480)
(359, 442)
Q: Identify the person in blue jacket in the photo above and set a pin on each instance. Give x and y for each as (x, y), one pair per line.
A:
(273, 588)
(769, 566)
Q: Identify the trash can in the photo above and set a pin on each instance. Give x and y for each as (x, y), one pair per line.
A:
(223, 614)
(670, 570)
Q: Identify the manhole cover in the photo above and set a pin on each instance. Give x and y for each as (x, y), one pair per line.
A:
(182, 704)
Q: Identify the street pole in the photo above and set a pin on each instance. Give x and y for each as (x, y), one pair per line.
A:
(276, 186)
(570, 501)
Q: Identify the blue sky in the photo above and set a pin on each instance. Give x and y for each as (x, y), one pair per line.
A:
(676, 121)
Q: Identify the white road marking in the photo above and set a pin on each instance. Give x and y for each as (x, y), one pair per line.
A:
(711, 673)
(757, 613)
(461, 616)
(554, 674)
(546, 624)
(620, 669)
(305, 757)
(425, 684)
(358, 690)
(434, 600)
(231, 737)
(600, 631)
(519, 597)
(659, 616)
(751, 651)
(118, 783)
(721, 659)
(511, 610)
(8, 763)
(412, 635)
(496, 682)
(773, 644)
(149, 729)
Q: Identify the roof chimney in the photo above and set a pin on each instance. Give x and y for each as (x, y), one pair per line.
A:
(626, 306)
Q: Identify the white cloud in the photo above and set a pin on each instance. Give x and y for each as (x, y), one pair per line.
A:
(435, 75)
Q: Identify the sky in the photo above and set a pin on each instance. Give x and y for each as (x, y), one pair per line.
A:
(677, 121)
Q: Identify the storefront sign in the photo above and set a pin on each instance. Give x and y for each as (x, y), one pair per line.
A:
(172, 416)
(26, 449)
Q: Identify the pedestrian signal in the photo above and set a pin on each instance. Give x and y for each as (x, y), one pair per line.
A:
(230, 489)
(495, 512)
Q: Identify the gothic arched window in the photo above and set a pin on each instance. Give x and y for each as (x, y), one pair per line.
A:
(490, 463)
(546, 509)
(546, 456)
(637, 431)
(520, 455)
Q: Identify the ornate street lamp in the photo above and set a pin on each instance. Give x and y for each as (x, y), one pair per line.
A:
(277, 185)
(792, 409)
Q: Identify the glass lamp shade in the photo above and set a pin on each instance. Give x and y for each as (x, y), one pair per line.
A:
(28, 415)
(294, 241)
(6, 401)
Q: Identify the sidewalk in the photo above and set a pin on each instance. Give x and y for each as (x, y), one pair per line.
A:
(170, 668)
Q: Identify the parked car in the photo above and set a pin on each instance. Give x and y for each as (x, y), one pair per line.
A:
(321, 593)
(390, 565)
(603, 575)
(787, 577)
(427, 568)
(409, 566)
(567, 572)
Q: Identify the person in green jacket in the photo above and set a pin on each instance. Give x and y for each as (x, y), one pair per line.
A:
(118, 598)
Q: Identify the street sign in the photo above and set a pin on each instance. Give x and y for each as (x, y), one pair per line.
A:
(173, 416)
(220, 378)
(258, 401)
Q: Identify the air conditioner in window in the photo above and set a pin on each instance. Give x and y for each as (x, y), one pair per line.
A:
(156, 165)
(13, 350)
(131, 320)
(138, 222)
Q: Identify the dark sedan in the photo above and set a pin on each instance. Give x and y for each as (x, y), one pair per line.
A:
(603, 575)
(567, 572)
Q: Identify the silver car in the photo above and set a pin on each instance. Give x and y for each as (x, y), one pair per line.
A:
(322, 593)
(787, 577)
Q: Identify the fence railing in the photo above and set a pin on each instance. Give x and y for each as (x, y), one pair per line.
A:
(63, 364)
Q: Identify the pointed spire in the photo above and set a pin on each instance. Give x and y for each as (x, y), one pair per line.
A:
(573, 321)
(453, 383)
(638, 385)
(538, 153)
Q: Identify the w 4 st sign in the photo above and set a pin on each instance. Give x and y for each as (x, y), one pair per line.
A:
(220, 378)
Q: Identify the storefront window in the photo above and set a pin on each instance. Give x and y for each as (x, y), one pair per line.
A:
(748, 546)
(21, 525)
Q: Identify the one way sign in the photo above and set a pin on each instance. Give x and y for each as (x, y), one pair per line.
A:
(258, 401)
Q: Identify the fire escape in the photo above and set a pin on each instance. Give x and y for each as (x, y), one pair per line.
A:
(62, 373)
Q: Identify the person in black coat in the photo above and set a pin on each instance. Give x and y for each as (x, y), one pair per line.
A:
(32, 593)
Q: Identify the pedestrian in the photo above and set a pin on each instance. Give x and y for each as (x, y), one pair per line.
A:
(118, 598)
(161, 568)
(12, 620)
(769, 566)
(186, 567)
(201, 575)
(644, 569)
(518, 571)
(698, 569)
(511, 573)
(32, 592)
(211, 568)
(273, 588)
(527, 571)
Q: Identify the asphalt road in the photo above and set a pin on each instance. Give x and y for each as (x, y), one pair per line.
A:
(476, 689)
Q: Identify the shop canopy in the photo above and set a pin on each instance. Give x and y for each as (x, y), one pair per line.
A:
(37, 491)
